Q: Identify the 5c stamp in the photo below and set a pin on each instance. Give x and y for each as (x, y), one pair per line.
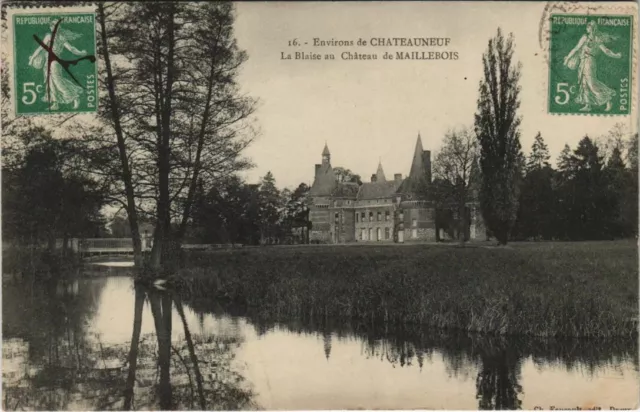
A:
(590, 64)
(54, 61)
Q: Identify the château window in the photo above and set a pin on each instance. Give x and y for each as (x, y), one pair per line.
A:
(370, 233)
(414, 223)
(370, 216)
(357, 218)
(363, 217)
(386, 216)
(379, 216)
(386, 233)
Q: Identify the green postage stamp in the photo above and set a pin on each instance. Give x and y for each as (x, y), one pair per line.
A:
(54, 59)
(590, 64)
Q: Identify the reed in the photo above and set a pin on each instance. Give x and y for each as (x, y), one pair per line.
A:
(585, 289)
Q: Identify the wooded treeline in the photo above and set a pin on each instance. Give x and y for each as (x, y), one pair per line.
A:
(591, 194)
(252, 214)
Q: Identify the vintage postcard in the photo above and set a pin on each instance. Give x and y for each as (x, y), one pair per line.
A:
(319, 205)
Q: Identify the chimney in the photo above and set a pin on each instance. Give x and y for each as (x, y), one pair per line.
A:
(397, 177)
(374, 178)
(318, 169)
(426, 161)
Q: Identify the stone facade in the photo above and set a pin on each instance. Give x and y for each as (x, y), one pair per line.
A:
(381, 210)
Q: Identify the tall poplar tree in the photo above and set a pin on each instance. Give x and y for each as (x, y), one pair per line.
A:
(497, 128)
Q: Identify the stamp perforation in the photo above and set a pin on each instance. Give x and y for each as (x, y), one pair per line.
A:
(597, 9)
(66, 92)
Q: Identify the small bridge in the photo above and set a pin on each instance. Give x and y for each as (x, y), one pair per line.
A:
(108, 246)
(102, 247)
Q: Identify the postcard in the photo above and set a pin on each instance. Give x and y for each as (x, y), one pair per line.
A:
(319, 205)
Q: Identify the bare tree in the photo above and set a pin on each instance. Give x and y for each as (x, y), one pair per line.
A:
(182, 117)
(453, 165)
(113, 117)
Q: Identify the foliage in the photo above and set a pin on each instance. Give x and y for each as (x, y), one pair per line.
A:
(539, 157)
(46, 195)
(497, 127)
(585, 198)
(270, 206)
(346, 175)
(296, 212)
(453, 171)
(174, 114)
(235, 212)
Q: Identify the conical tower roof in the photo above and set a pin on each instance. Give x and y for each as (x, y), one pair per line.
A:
(380, 174)
(325, 180)
(417, 165)
(416, 184)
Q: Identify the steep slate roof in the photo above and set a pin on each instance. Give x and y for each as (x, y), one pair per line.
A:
(414, 187)
(380, 173)
(325, 181)
(346, 190)
(416, 183)
(377, 190)
(417, 165)
(325, 151)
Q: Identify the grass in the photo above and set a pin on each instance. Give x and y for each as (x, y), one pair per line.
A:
(581, 289)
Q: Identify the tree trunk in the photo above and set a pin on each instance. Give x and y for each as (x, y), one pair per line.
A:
(462, 232)
(65, 244)
(161, 244)
(122, 148)
(133, 351)
(161, 310)
(502, 237)
(461, 222)
(192, 353)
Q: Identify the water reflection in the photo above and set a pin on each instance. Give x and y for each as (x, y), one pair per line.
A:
(477, 372)
(55, 358)
(105, 343)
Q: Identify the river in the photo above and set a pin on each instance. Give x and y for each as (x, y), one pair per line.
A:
(68, 345)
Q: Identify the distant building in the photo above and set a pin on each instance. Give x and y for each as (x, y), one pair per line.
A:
(397, 210)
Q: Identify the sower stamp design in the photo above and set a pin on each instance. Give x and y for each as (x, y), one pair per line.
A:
(55, 65)
(590, 64)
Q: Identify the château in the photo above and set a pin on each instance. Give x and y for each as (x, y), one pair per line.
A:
(384, 210)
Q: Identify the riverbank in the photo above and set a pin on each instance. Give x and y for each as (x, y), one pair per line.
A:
(20, 262)
(585, 289)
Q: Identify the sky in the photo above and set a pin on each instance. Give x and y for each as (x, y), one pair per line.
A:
(368, 111)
